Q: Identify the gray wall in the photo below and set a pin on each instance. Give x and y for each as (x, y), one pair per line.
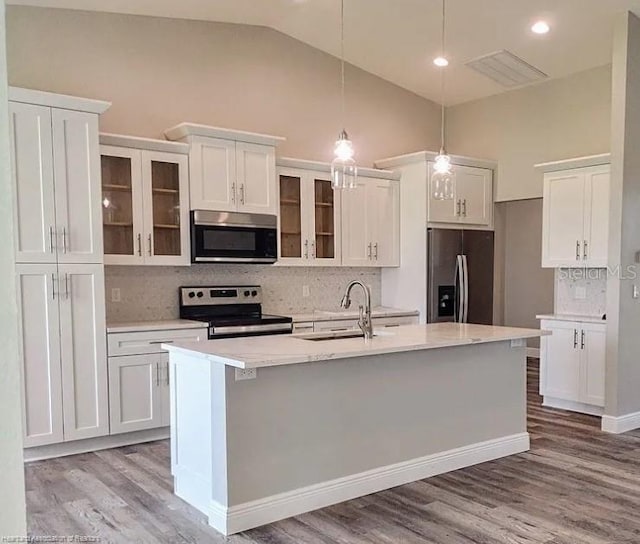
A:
(12, 496)
(159, 72)
(528, 288)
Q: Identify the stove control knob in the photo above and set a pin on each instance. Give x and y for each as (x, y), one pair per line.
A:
(254, 293)
(200, 294)
(246, 293)
(192, 294)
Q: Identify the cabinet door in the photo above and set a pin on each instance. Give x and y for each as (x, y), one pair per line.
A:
(474, 190)
(32, 169)
(166, 208)
(440, 211)
(39, 333)
(122, 210)
(596, 226)
(212, 166)
(83, 351)
(560, 361)
(256, 178)
(76, 169)
(135, 401)
(291, 223)
(383, 202)
(563, 219)
(356, 219)
(324, 220)
(593, 353)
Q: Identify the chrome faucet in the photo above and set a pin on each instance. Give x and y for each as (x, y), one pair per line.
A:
(364, 321)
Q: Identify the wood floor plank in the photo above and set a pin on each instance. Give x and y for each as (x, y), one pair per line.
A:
(577, 485)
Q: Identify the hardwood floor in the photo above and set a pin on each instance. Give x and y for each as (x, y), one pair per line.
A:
(576, 486)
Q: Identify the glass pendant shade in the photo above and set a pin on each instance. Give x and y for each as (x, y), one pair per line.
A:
(442, 178)
(344, 172)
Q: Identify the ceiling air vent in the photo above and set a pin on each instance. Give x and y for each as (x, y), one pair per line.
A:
(506, 69)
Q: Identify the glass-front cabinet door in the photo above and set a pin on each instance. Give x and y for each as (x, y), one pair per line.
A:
(309, 218)
(121, 205)
(166, 208)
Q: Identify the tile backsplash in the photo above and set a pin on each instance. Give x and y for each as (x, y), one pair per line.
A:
(151, 292)
(581, 291)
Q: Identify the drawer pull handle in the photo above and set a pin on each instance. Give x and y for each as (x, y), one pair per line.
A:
(156, 342)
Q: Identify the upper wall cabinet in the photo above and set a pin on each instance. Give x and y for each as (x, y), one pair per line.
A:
(145, 202)
(56, 177)
(575, 223)
(230, 170)
(472, 203)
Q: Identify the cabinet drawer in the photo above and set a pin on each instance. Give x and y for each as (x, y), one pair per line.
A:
(139, 343)
(303, 326)
(383, 322)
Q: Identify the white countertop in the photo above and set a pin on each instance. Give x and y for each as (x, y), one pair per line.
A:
(573, 317)
(263, 351)
(144, 326)
(331, 315)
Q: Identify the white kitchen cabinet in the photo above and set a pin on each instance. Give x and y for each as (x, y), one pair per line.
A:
(63, 349)
(231, 170)
(139, 377)
(576, 217)
(56, 182)
(472, 202)
(145, 200)
(572, 365)
(309, 219)
(371, 224)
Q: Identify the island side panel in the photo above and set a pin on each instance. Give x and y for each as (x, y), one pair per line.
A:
(299, 425)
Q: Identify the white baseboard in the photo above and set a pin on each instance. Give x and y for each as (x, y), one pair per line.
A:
(234, 519)
(581, 408)
(533, 352)
(62, 449)
(621, 424)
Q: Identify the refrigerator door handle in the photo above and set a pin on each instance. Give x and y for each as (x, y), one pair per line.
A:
(465, 282)
(459, 286)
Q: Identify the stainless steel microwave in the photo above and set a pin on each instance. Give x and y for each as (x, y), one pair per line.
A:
(229, 237)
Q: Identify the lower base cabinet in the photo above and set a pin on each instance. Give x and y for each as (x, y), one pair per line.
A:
(572, 365)
(139, 377)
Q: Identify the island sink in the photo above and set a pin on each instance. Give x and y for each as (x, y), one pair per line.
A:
(338, 335)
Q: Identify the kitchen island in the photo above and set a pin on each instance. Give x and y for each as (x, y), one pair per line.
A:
(269, 427)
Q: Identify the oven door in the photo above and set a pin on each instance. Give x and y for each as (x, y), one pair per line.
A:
(222, 237)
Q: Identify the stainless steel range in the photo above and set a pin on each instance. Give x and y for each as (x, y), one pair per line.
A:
(231, 311)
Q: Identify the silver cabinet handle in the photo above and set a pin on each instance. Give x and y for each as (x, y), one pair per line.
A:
(582, 339)
(53, 286)
(64, 239)
(157, 374)
(313, 249)
(375, 251)
(306, 249)
(242, 194)
(166, 367)
(158, 342)
(67, 286)
(464, 207)
(458, 204)
(369, 251)
(585, 250)
(233, 193)
(139, 245)
(575, 338)
(577, 250)
(52, 246)
(149, 244)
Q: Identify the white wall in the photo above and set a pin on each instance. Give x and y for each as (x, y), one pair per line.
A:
(12, 494)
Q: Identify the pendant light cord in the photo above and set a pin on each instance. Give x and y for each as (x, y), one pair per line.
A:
(342, 98)
(442, 120)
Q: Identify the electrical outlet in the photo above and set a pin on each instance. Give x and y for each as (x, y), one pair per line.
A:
(115, 294)
(580, 293)
(246, 374)
(305, 291)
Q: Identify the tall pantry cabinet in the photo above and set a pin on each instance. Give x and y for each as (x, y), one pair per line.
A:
(59, 265)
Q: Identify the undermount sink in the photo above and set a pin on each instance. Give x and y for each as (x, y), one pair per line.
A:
(338, 335)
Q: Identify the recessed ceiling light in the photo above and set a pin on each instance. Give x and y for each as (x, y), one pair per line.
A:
(441, 62)
(541, 27)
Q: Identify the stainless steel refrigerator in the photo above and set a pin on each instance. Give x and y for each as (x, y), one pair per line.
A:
(460, 276)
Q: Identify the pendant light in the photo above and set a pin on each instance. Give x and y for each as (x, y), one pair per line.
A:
(442, 177)
(344, 172)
